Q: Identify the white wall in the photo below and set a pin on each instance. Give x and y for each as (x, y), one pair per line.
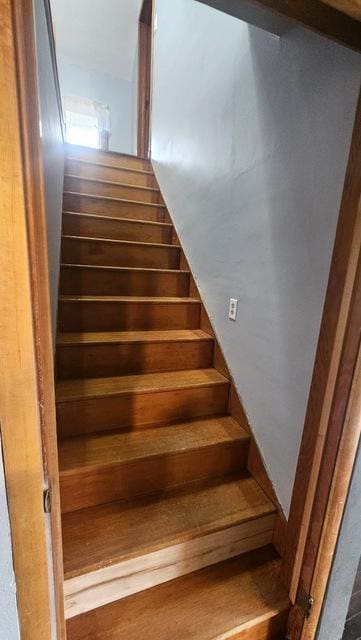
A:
(9, 624)
(53, 153)
(115, 93)
(250, 138)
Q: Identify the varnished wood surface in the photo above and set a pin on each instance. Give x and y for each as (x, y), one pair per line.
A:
(122, 281)
(129, 352)
(107, 467)
(104, 205)
(173, 517)
(241, 599)
(68, 390)
(98, 171)
(117, 313)
(118, 253)
(81, 184)
(111, 158)
(28, 432)
(79, 224)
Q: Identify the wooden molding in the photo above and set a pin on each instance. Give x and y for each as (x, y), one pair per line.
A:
(350, 7)
(26, 386)
(330, 388)
(144, 77)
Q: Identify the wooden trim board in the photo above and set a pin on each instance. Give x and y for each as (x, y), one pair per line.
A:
(120, 580)
(26, 386)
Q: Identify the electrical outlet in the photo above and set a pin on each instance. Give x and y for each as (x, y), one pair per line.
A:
(232, 312)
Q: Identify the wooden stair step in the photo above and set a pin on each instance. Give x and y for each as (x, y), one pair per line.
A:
(117, 207)
(139, 401)
(119, 253)
(111, 158)
(92, 355)
(101, 171)
(241, 599)
(94, 226)
(122, 281)
(114, 550)
(101, 468)
(123, 313)
(112, 188)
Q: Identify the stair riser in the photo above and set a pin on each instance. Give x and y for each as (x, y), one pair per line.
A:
(102, 207)
(140, 410)
(86, 489)
(127, 316)
(116, 160)
(74, 225)
(81, 185)
(120, 580)
(95, 361)
(115, 254)
(98, 282)
(98, 172)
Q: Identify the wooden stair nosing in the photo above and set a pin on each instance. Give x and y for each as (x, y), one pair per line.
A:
(136, 337)
(205, 605)
(111, 182)
(135, 203)
(130, 385)
(122, 269)
(110, 166)
(154, 223)
(130, 243)
(130, 299)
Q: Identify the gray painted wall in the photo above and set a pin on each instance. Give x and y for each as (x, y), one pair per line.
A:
(250, 139)
(53, 153)
(115, 93)
(345, 564)
(9, 624)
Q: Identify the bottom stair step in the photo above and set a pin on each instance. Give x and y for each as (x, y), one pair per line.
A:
(115, 550)
(242, 598)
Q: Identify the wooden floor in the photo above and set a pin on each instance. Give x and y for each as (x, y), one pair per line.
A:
(165, 533)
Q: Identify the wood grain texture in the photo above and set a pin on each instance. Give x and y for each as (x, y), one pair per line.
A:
(99, 171)
(111, 158)
(112, 189)
(190, 607)
(350, 7)
(122, 313)
(26, 384)
(78, 224)
(102, 468)
(144, 79)
(130, 352)
(103, 205)
(333, 370)
(118, 253)
(140, 401)
(95, 280)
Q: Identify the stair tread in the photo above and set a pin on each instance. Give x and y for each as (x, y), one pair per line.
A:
(111, 198)
(215, 603)
(81, 214)
(89, 451)
(116, 337)
(110, 182)
(127, 242)
(145, 299)
(110, 166)
(98, 536)
(114, 268)
(68, 390)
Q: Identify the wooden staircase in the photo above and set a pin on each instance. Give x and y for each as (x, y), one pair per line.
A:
(165, 532)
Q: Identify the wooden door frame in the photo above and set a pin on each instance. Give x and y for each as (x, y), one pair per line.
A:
(28, 427)
(332, 425)
(145, 31)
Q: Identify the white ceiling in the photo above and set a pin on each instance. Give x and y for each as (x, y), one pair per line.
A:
(98, 34)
